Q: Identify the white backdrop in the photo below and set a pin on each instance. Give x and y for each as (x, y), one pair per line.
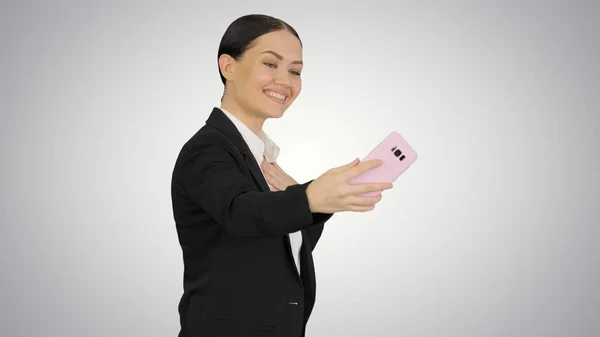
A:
(492, 232)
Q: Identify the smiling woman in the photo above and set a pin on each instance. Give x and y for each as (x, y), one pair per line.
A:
(260, 66)
(246, 228)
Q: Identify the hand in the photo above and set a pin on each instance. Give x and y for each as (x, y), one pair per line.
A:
(276, 176)
(332, 192)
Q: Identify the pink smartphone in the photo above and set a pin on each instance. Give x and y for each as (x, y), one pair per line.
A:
(397, 156)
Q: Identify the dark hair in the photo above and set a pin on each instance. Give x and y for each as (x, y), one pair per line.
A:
(242, 32)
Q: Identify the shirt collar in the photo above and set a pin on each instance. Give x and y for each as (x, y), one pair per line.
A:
(259, 146)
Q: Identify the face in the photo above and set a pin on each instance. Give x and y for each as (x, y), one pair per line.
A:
(265, 81)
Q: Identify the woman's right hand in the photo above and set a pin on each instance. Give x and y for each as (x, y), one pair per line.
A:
(332, 191)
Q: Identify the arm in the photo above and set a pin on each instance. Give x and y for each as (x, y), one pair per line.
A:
(315, 229)
(280, 180)
(211, 176)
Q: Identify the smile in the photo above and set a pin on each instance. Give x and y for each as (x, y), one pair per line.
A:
(274, 96)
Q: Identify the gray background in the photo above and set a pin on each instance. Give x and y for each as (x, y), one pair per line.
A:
(492, 232)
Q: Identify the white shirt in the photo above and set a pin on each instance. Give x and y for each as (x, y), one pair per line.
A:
(264, 148)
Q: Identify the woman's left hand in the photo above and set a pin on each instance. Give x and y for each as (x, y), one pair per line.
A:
(276, 176)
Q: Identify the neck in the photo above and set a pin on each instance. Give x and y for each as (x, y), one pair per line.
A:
(253, 122)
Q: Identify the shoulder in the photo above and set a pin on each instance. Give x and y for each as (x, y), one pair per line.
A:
(207, 142)
(208, 136)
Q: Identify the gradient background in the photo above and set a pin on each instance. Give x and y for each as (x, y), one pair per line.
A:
(493, 232)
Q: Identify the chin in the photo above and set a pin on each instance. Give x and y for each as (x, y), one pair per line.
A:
(277, 114)
(272, 112)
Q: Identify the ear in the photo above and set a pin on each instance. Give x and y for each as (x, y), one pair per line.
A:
(227, 66)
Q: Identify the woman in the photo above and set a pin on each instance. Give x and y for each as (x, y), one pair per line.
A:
(246, 228)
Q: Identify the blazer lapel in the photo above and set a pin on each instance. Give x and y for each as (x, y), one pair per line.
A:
(218, 120)
(256, 172)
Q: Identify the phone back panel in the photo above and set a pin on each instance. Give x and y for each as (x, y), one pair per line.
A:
(396, 155)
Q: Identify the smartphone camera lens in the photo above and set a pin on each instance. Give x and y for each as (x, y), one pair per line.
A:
(397, 153)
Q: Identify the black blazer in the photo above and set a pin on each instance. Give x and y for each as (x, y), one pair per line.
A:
(240, 278)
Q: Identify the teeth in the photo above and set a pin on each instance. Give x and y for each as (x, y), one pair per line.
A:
(276, 95)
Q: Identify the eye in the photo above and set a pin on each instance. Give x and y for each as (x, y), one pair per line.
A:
(296, 73)
(270, 65)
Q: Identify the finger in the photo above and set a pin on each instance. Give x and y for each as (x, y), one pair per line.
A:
(272, 180)
(354, 189)
(276, 170)
(266, 168)
(273, 186)
(276, 174)
(276, 186)
(346, 166)
(355, 200)
(273, 168)
(272, 171)
(354, 208)
(361, 168)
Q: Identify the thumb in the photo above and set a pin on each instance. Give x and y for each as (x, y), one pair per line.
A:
(349, 165)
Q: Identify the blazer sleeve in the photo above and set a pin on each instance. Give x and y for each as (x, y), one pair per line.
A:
(315, 229)
(209, 173)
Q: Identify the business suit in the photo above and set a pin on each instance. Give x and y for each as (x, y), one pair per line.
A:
(239, 274)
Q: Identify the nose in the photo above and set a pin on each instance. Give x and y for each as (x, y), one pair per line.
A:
(283, 78)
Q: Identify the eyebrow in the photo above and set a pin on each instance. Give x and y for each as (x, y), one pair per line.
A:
(279, 56)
